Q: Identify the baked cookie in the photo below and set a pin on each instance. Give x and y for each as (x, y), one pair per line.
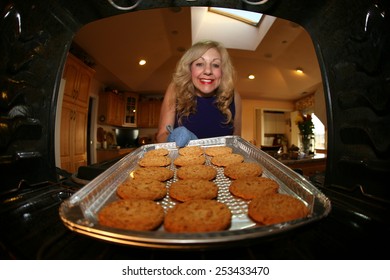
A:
(251, 187)
(189, 189)
(198, 216)
(276, 208)
(157, 152)
(134, 214)
(189, 160)
(191, 151)
(151, 189)
(153, 161)
(205, 172)
(243, 170)
(159, 173)
(227, 159)
(219, 150)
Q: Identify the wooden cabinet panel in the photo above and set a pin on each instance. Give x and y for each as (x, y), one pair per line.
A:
(111, 108)
(70, 75)
(73, 138)
(78, 78)
(143, 114)
(80, 133)
(148, 113)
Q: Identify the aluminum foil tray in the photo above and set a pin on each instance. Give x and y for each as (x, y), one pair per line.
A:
(79, 212)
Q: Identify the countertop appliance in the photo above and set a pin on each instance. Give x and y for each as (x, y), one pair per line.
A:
(352, 41)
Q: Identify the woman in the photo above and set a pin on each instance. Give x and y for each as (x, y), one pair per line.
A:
(201, 101)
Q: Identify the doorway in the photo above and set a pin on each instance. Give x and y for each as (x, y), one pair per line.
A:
(270, 123)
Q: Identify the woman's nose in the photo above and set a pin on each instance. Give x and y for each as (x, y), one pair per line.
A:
(207, 69)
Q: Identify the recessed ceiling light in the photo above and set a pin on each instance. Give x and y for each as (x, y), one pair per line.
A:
(251, 77)
(299, 70)
(142, 62)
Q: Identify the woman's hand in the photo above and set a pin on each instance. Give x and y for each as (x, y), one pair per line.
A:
(181, 135)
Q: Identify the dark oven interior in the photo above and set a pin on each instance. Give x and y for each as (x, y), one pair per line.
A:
(352, 44)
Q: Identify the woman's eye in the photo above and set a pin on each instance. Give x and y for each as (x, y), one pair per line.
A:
(199, 64)
(216, 65)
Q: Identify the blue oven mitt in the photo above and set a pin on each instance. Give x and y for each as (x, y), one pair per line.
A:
(180, 135)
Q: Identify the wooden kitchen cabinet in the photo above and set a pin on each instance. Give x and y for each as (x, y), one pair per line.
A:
(74, 115)
(148, 113)
(111, 108)
(78, 78)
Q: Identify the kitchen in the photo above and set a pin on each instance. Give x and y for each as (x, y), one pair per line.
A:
(284, 47)
(352, 43)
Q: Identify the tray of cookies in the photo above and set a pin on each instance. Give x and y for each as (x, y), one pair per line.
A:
(212, 192)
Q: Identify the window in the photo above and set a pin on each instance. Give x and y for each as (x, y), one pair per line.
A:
(244, 16)
(319, 133)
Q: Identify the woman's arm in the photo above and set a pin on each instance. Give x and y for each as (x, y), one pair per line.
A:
(237, 118)
(167, 115)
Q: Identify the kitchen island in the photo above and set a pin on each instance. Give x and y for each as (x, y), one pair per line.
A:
(310, 166)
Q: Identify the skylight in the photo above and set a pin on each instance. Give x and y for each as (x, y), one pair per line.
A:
(244, 16)
(233, 33)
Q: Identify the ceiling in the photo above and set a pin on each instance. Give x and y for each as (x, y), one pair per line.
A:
(160, 36)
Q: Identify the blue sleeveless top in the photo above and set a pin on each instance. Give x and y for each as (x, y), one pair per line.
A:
(208, 121)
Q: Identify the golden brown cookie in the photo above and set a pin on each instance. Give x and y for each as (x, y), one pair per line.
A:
(243, 170)
(133, 214)
(158, 173)
(205, 172)
(189, 160)
(191, 151)
(276, 208)
(198, 216)
(219, 150)
(225, 160)
(142, 188)
(251, 187)
(155, 161)
(189, 189)
(157, 152)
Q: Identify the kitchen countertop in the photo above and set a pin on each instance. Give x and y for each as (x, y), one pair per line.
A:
(316, 157)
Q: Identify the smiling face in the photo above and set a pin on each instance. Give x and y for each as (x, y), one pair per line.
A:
(206, 72)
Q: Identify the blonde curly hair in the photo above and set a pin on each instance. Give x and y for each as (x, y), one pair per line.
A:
(185, 90)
